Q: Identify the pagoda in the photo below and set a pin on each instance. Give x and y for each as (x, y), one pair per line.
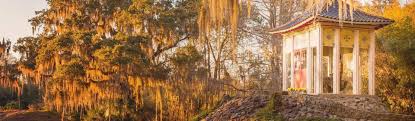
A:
(325, 53)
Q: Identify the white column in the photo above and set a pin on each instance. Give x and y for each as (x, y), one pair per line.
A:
(319, 64)
(309, 65)
(284, 66)
(372, 64)
(336, 62)
(292, 85)
(356, 65)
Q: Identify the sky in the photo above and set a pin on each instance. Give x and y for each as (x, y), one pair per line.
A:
(14, 16)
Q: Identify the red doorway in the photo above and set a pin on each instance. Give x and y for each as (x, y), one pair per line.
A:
(300, 68)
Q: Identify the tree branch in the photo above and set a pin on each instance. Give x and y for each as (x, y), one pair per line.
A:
(161, 50)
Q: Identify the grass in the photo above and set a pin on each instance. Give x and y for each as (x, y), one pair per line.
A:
(269, 113)
(201, 115)
(204, 113)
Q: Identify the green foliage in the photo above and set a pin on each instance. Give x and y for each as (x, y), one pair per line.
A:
(201, 115)
(396, 60)
(6, 95)
(122, 52)
(398, 39)
(185, 62)
(11, 85)
(74, 69)
(114, 54)
(186, 56)
(94, 115)
(30, 96)
(28, 48)
(11, 106)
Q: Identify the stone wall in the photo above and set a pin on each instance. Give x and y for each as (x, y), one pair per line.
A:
(339, 107)
(295, 107)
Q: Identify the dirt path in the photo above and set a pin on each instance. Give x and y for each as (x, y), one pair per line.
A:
(2, 115)
(24, 115)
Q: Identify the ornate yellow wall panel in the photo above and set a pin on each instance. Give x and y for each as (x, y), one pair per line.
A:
(328, 36)
(364, 38)
(346, 38)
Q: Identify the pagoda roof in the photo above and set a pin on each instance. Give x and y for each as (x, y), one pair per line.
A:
(331, 14)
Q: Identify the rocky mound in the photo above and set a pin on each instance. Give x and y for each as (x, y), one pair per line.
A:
(338, 107)
(238, 109)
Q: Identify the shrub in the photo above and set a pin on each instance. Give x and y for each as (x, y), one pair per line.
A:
(297, 89)
(11, 105)
(395, 60)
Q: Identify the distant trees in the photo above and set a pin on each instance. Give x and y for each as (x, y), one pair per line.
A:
(15, 92)
(271, 14)
(9, 86)
(7, 77)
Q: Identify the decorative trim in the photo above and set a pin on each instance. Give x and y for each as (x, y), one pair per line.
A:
(375, 25)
